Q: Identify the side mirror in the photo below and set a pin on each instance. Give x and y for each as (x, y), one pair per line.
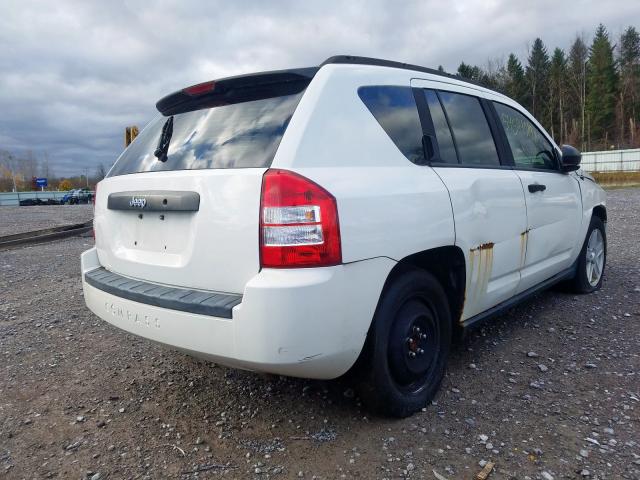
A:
(570, 160)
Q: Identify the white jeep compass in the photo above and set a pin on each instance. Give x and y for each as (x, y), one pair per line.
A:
(351, 216)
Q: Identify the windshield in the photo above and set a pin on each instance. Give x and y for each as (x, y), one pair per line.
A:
(241, 135)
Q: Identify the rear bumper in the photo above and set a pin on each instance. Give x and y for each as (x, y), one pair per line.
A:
(302, 322)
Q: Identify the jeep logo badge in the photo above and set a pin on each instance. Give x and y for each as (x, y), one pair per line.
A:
(137, 202)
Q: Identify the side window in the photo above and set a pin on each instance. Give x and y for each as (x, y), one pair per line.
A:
(443, 134)
(395, 110)
(529, 147)
(470, 129)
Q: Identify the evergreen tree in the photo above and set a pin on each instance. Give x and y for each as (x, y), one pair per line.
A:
(478, 75)
(577, 70)
(537, 73)
(470, 72)
(557, 94)
(516, 82)
(629, 95)
(585, 97)
(602, 87)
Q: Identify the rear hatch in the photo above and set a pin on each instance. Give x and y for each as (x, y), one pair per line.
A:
(181, 205)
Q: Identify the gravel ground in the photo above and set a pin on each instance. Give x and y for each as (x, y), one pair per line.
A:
(24, 219)
(548, 390)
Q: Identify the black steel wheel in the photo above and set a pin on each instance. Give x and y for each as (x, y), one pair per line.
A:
(407, 346)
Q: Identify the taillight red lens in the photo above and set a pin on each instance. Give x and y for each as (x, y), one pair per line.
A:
(298, 223)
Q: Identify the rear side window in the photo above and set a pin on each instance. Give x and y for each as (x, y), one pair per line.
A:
(395, 110)
(240, 135)
(443, 134)
(470, 129)
(529, 147)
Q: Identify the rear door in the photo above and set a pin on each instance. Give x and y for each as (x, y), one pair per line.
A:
(486, 196)
(180, 206)
(554, 203)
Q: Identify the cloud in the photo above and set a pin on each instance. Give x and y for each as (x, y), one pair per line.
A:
(73, 74)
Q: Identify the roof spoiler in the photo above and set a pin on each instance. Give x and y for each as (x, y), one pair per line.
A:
(237, 89)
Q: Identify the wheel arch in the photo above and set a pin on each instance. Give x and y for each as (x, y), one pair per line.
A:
(600, 211)
(447, 264)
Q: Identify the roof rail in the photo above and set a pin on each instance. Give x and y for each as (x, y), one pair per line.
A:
(355, 60)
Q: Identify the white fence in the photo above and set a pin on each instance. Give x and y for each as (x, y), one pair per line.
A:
(612, 161)
(13, 198)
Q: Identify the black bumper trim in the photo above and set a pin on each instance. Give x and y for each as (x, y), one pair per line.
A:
(181, 299)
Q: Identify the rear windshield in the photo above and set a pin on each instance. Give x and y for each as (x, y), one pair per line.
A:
(240, 135)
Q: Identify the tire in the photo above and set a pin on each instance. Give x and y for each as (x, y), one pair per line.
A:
(584, 280)
(407, 347)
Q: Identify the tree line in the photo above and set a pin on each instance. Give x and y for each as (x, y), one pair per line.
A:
(588, 97)
(17, 172)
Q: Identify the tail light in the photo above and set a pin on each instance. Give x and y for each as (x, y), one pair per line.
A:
(298, 223)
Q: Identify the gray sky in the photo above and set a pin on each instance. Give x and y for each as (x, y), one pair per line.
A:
(73, 74)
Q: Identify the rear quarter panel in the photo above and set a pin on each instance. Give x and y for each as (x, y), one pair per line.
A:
(387, 205)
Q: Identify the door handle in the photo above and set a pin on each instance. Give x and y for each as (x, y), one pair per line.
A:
(537, 187)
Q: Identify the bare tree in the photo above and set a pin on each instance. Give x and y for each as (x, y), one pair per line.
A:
(11, 165)
(100, 172)
(45, 165)
(496, 71)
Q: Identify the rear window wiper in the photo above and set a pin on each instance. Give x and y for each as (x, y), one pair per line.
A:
(165, 139)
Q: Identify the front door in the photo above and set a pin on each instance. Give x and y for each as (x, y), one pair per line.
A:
(553, 199)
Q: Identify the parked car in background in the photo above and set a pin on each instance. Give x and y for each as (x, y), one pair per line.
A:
(68, 198)
(349, 217)
(74, 197)
(85, 195)
(38, 201)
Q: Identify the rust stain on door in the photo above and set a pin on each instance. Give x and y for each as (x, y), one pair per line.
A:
(483, 256)
(524, 237)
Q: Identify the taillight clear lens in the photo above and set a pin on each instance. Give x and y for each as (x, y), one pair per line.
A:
(298, 223)
(284, 215)
(293, 235)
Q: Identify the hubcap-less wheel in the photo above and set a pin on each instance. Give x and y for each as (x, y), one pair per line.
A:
(413, 344)
(595, 257)
(406, 352)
